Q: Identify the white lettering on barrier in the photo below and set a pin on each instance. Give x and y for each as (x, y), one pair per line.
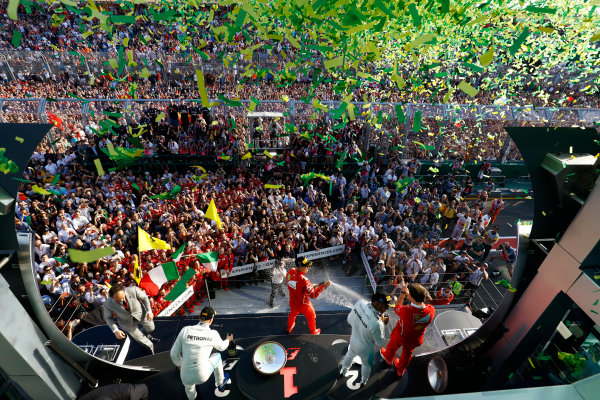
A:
(245, 269)
(310, 255)
(178, 302)
(368, 269)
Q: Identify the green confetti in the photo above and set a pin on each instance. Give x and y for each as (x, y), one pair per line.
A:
(541, 10)
(487, 58)
(519, 41)
(417, 122)
(400, 114)
(11, 10)
(16, 39)
(468, 89)
(55, 180)
(414, 13)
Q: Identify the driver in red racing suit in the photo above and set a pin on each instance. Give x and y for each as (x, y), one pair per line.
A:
(300, 290)
(413, 319)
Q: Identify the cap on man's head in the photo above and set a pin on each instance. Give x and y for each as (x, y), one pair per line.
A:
(381, 298)
(303, 262)
(207, 313)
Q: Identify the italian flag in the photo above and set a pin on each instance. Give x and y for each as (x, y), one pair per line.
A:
(209, 260)
(177, 255)
(156, 277)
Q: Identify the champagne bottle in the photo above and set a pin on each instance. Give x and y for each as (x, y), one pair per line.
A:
(232, 349)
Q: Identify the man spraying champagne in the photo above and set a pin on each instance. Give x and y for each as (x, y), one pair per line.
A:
(301, 291)
(367, 321)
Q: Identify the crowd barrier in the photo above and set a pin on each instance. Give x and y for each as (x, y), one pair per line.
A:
(369, 271)
(309, 255)
(249, 268)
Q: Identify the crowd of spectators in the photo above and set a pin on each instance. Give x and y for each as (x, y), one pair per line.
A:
(59, 72)
(49, 65)
(379, 208)
(398, 230)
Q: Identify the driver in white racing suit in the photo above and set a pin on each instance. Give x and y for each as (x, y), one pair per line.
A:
(367, 322)
(191, 352)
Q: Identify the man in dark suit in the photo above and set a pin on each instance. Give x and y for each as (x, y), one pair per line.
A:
(130, 309)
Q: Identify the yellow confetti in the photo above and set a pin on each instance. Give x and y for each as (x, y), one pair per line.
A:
(11, 10)
(99, 167)
(19, 139)
(202, 88)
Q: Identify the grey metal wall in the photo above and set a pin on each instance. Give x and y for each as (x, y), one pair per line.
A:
(559, 272)
(25, 358)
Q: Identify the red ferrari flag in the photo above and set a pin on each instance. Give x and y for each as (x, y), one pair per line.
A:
(55, 120)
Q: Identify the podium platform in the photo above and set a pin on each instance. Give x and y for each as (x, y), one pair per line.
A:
(315, 367)
(250, 331)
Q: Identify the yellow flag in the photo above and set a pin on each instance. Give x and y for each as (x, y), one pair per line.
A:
(137, 271)
(211, 213)
(247, 156)
(147, 242)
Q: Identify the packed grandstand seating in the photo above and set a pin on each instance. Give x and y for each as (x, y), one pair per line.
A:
(58, 58)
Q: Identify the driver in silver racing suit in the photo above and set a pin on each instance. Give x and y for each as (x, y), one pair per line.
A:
(368, 334)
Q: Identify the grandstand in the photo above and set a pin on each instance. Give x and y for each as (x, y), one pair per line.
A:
(448, 144)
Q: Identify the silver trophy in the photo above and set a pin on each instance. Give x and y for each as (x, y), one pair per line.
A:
(269, 358)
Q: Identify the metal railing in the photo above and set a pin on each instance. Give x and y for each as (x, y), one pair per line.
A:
(172, 66)
(297, 112)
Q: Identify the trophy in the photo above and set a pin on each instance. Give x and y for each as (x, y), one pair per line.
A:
(269, 358)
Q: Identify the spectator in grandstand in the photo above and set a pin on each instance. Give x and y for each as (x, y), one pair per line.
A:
(477, 249)
(462, 224)
(495, 208)
(509, 255)
(490, 238)
(443, 296)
